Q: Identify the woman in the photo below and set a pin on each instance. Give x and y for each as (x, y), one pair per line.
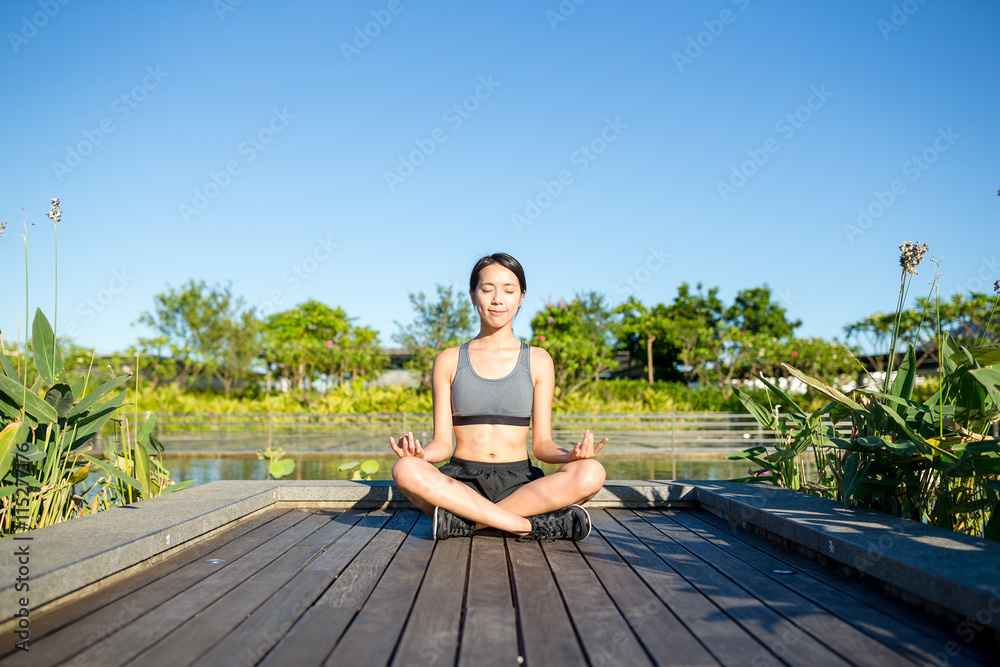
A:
(488, 390)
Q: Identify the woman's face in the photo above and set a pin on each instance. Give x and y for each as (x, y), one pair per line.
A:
(497, 296)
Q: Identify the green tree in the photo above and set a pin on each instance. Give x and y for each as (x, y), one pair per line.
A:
(208, 332)
(581, 337)
(650, 333)
(305, 343)
(438, 324)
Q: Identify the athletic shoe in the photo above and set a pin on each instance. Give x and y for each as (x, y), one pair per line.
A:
(448, 525)
(570, 523)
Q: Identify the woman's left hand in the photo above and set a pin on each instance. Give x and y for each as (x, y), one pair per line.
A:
(586, 449)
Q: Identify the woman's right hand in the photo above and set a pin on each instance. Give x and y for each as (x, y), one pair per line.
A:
(408, 446)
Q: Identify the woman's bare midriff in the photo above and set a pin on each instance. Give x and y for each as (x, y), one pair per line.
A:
(491, 443)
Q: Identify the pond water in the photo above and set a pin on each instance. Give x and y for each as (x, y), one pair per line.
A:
(210, 468)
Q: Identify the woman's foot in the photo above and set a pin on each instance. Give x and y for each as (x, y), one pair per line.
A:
(570, 523)
(448, 525)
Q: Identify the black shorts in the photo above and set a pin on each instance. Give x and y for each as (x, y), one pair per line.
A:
(496, 481)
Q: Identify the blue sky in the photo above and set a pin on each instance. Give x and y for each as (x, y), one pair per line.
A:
(280, 147)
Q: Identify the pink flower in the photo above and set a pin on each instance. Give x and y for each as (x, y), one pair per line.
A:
(329, 344)
(794, 353)
(551, 319)
(541, 338)
(440, 344)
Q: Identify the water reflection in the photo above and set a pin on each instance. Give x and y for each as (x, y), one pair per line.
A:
(205, 469)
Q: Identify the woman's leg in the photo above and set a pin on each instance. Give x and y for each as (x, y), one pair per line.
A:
(427, 487)
(574, 483)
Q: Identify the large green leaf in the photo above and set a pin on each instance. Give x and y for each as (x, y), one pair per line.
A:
(147, 428)
(985, 355)
(48, 358)
(9, 407)
(90, 424)
(902, 385)
(10, 437)
(851, 478)
(27, 399)
(142, 468)
(97, 394)
(115, 472)
(178, 486)
(782, 396)
(988, 377)
(78, 386)
(6, 367)
(826, 390)
(279, 469)
(763, 416)
(60, 397)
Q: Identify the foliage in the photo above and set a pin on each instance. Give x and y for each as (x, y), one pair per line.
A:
(928, 460)
(967, 317)
(363, 471)
(701, 339)
(207, 331)
(580, 337)
(314, 344)
(443, 323)
(44, 435)
(278, 466)
(650, 333)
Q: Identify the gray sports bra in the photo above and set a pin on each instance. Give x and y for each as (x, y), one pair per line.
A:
(478, 400)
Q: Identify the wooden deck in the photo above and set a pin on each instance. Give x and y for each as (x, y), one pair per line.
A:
(356, 587)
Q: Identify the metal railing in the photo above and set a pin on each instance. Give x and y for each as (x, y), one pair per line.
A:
(679, 433)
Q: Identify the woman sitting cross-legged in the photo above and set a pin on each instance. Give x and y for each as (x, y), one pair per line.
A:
(489, 390)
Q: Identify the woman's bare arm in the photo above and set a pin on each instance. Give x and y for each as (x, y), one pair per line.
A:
(542, 445)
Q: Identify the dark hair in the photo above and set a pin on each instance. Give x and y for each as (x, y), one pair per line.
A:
(504, 260)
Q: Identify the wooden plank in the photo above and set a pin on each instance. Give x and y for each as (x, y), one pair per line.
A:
(134, 637)
(267, 624)
(100, 626)
(202, 631)
(431, 633)
(669, 615)
(547, 635)
(47, 622)
(780, 636)
(372, 636)
(909, 631)
(489, 631)
(317, 631)
(847, 641)
(604, 633)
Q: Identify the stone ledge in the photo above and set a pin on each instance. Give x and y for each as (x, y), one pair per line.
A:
(941, 569)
